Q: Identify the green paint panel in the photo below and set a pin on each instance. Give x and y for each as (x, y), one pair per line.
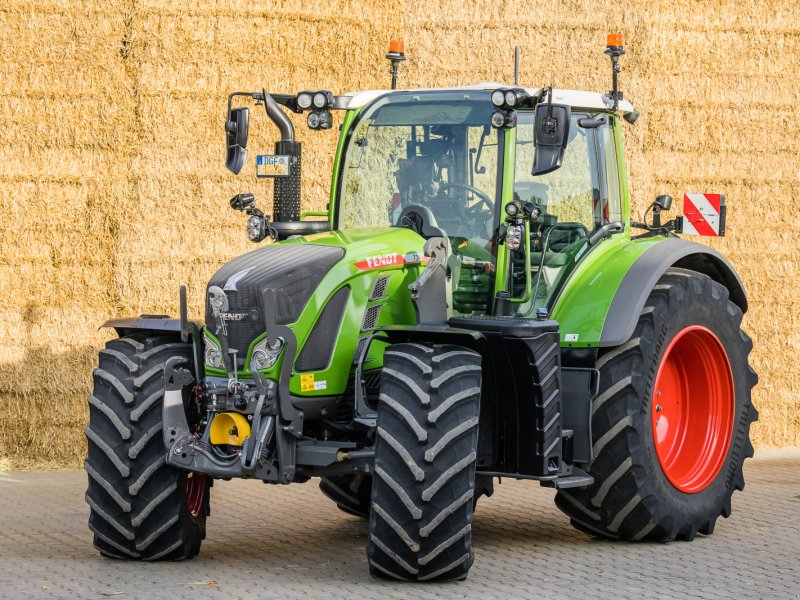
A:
(584, 302)
(369, 254)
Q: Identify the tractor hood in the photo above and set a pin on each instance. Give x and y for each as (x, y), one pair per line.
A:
(366, 245)
(296, 270)
(293, 272)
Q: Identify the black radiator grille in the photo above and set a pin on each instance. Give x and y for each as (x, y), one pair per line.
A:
(292, 272)
(359, 349)
(371, 317)
(379, 288)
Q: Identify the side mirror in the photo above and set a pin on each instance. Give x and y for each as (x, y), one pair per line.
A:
(550, 134)
(236, 128)
(663, 201)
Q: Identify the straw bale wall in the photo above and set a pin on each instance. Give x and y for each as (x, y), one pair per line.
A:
(113, 189)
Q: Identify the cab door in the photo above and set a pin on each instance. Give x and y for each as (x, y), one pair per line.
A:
(574, 200)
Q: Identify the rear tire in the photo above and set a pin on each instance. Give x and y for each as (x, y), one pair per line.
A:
(686, 363)
(141, 509)
(420, 526)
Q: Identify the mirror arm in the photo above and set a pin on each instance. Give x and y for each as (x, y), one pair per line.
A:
(253, 95)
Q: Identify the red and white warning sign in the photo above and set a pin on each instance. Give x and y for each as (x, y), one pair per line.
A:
(704, 214)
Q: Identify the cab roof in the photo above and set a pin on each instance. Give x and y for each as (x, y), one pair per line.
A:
(573, 98)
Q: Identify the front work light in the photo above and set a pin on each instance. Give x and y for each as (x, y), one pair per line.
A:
(512, 208)
(304, 100)
(512, 98)
(320, 119)
(320, 100)
(498, 119)
(504, 118)
(323, 99)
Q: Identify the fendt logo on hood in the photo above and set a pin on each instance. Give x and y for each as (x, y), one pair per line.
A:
(234, 316)
(392, 259)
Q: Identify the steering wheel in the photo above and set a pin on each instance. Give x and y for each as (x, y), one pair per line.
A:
(482, 196)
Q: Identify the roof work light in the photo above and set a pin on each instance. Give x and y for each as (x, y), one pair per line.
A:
(509, 98)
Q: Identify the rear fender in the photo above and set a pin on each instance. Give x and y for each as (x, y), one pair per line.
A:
(643, 275)
(603, 298)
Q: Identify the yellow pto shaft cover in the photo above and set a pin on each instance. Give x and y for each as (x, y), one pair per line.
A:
(229, 428)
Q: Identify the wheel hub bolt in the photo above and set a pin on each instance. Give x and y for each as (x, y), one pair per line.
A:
(659, 408)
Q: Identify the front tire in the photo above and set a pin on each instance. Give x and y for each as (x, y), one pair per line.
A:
(420, 525)
(140, 508)
(671, 422)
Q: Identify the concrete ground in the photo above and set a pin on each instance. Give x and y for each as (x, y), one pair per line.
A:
(292, 542)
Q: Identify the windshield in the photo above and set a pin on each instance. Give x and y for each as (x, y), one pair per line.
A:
(429, 162)
(435, 151)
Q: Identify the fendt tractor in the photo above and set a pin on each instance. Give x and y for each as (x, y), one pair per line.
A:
(474, 303)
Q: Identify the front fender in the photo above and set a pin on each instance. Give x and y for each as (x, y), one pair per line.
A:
(160, 324)
(602, 300)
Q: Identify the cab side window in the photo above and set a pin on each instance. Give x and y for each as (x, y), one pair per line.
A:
(585, 190)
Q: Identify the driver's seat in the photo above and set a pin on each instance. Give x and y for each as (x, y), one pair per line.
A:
(419, 219)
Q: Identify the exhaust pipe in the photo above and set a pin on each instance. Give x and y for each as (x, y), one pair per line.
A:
(286, 195)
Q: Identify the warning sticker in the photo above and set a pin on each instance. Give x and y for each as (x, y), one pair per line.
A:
(307, 382)
(272, 165)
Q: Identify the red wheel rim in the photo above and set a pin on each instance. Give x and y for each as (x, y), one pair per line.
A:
(195, 492)
(692, 410)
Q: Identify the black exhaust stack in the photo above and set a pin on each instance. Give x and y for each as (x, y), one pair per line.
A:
(286, 195)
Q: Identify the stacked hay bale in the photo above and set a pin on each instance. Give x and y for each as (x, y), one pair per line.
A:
(114, 190)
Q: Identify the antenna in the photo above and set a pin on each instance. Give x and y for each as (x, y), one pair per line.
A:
(516, 65)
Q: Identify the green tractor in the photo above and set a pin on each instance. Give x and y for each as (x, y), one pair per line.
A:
(474, 303)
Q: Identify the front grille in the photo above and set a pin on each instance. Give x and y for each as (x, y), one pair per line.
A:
(371, 317)
(292, 272)
(316, 353)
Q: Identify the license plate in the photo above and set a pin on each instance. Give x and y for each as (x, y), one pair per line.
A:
(272, 165)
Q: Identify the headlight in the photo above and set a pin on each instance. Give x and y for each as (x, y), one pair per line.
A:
(213, 354)
(266, 355)
(255, 228)
(498, 97)
(313, 120)
(513, 237)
